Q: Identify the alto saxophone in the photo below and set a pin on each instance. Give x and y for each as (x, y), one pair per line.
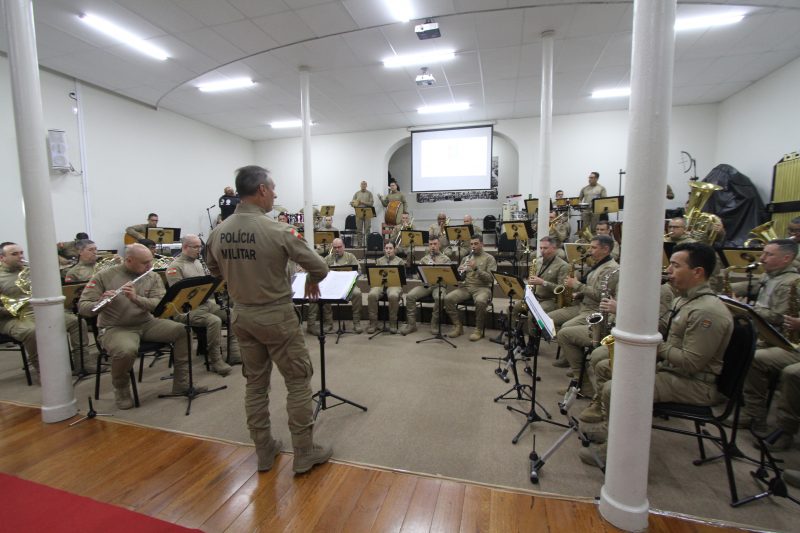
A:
(564, 294)
(598, 322)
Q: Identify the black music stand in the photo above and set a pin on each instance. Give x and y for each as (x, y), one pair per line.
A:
(162, 236)
(334, 289)
(577, 253)
(342, 330)
(367, 213)
(608, 204)
(410, 238)
(181, 298)
(519, 231)
(324, 238)
(72, 293)
(444, 275)
(384, 277)
(459, 234)
(746, 260)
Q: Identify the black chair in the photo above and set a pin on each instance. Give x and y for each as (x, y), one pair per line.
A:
(5, 340)
(507, 250)
(470, 303)
(737, 359)
(349, 230)
(374, 244)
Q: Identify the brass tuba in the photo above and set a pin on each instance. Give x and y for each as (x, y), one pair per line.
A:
(763, 234)
(701, 225)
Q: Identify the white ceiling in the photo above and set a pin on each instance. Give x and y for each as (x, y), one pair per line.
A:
(497, 66)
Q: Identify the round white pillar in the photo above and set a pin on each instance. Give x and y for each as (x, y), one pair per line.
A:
(545, 135)
(305, 115)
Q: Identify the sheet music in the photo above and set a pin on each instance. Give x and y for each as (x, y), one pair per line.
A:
(545, 322)
(336, 285)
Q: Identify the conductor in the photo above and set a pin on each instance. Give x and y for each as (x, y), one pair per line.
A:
(250, 251)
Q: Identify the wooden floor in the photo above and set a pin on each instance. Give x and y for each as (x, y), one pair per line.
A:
(214, 486)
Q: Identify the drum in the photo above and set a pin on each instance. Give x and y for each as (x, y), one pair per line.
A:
(392, 215)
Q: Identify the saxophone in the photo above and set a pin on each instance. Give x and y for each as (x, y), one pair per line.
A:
(564, 294)
(598, 322)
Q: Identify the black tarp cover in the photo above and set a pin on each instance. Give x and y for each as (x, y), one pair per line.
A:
(737, 204)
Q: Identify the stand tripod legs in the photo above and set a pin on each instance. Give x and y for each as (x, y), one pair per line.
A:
(438, 335)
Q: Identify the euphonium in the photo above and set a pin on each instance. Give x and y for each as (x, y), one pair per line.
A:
(608, 342)
(699, 225)
(763, 234)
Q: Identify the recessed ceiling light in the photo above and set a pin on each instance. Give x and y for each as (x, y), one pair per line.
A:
(418, 60)
(123, 36)
(443, 108)
(611, 93)
(226, 85)
(709, 21)
(280, 124)
(400, 9)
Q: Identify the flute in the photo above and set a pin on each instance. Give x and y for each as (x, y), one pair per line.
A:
(102, 303)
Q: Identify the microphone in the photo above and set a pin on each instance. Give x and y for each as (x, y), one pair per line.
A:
(211, 207)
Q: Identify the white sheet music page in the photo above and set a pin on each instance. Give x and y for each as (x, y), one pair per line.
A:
(335, 286)
(544, 322)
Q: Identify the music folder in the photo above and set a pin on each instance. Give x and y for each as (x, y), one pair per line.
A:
(545, 323)
(186, 294)
(325, 237)
(609, 204)
(766, 331)
(327, 210)
(518, 230)
(336, 287)
(742, 257)
(365, 212)
(391, 275)
(532, 205)
(163, 235)
(412, 237)
(510, 285)
(432, 274)
(463, 232)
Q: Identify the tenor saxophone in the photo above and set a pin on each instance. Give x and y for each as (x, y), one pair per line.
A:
(564, 294)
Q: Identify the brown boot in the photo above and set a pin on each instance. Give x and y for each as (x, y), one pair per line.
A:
(122, 397)
(267, 448)
(457, 331)
(476, 335)
(306, 458)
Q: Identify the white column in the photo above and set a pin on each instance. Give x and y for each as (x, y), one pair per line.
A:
(58, 398)
(623, 497)
(545, 135)
(305, 115)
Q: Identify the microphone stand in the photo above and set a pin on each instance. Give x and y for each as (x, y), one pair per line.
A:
(208, 212)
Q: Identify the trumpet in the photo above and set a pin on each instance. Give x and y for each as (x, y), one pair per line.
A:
(105, 301)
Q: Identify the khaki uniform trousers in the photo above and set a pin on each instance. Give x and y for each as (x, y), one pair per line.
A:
(122, 344)
(481, 297)
(271, 334)
(212, 321)
(416, 294)
(392, 294)
(327, 311)
(767, 365)
(573, 337)
(599, 368)
(24, 330)
(520, 306)
(789, 403)
(563, 315)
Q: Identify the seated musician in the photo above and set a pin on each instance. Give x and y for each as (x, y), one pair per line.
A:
(337, 257)
(126, 320)
(327, 225)
(392, 293)
(677, 231)
(559, 229)
(139, 231)
(396, 237)
(690, 359)
(209, 315)
(438, 229)
(600, 282)
(283, 217)
(87, 259)
(17, 321)
(463, 248)
(477, 268)
(550, 272)
(603, 227)
(433, 257)
(68, 250)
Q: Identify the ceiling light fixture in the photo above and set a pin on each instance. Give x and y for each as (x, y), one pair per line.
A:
(281, 124)
(400, 9)
(443, 108)
(709, 21)
(124, 36)
(226, 85)
(415, 60)
(611, 93)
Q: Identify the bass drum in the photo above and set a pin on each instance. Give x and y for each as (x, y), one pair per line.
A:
(392, 215)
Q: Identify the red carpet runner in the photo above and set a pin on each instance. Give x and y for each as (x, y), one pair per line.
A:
(31, 507)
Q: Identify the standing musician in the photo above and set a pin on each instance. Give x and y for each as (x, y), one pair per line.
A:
(125, 321)
(362, 198)
(438, 230)
(433, 257)
(337, 257)
(392, 293)
(208, 315)
(250, 251)
(698, 332)
(587, 194)
(139, 231)
(600, 282)
(19, 323)
(396, 238)
(87, 259)
(227, 202)
(395, 196)
(477, 268)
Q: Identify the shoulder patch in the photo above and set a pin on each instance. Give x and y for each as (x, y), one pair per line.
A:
(706, 323)
(172, 270)
(92, 284)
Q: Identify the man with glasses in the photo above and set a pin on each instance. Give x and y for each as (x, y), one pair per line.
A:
(139, 231)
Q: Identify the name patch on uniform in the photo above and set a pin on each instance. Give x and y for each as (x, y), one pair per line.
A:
(237, 237)
(705, 323)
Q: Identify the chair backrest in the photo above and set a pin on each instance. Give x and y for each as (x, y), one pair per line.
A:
(489, 223)
(738, 357)
(506, 245)
(375, 242)
(350, 223)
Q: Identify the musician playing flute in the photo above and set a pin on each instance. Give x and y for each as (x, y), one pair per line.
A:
(125, 321)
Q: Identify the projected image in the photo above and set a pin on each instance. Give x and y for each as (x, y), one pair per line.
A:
(489, 194)
(456, 159)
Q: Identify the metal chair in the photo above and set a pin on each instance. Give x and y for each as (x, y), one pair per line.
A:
(738, 357)
(4, 341)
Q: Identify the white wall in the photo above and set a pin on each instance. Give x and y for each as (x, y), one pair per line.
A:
(760, 124)
(139, 160)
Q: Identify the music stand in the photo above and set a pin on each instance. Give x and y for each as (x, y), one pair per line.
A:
(342, 327)
(576, 253)
(327, 210)
(162, 236)
(518, 230)
(457, 234)
(324, 238)
(744, 259)
(221, 297)
(367, 213)
(444, 275)
(72, 293)
(531, 206)
(181, 298)
(609, 204)
(410, 238)
(335, 288)
(384, 277)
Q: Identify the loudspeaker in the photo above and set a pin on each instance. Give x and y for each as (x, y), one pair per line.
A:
(57, 144)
